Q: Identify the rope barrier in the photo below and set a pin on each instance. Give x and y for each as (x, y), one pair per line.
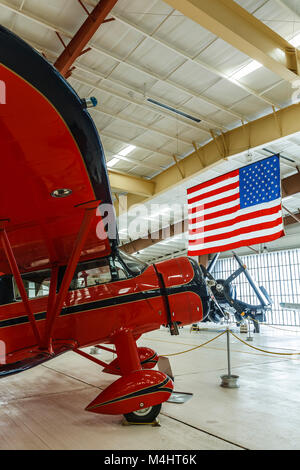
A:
(196, 347)
(271, 326)
(239, 339)
(263, 350)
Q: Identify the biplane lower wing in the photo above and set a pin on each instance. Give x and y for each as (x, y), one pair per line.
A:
(34, 359)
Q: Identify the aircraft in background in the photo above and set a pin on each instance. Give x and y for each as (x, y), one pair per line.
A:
(223, 293)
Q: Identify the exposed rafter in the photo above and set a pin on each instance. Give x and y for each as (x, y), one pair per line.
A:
(77, 44)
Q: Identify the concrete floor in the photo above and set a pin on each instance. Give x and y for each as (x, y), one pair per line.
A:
(44, 408)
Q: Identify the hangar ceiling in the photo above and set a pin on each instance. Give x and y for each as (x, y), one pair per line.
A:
(165, 86)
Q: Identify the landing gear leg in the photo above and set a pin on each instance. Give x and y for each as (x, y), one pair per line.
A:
(129, 361)
(138, 393)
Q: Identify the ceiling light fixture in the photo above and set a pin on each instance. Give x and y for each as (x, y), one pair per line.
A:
(126, 151)
(123, 153)
(113, 162)
(246, 70)
(176, 111)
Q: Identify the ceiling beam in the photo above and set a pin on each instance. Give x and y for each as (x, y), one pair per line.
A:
(232, 23)
(76, 46)
(131, 184)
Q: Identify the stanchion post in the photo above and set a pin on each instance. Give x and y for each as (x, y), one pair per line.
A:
(249, 338)
(229, 380)
(228, 351)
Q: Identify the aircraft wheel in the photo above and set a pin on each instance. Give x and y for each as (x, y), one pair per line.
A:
(145, 415)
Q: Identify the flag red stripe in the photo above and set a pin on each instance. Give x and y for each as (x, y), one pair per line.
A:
(219, 202)
(215, 215)
(214, 192)
(222, 247)
(227, 223)
(206, 184)
(234, 233)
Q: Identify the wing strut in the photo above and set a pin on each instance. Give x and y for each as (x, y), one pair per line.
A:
(16, 273)
(56, 301)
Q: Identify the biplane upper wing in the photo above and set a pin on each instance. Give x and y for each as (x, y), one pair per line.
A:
(49, 143)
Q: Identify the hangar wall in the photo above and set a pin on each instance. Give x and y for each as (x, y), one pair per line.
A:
(278, 272)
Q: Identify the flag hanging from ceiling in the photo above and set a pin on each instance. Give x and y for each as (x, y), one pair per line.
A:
(240, 208)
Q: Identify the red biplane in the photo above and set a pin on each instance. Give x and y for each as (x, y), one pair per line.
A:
(61, 288)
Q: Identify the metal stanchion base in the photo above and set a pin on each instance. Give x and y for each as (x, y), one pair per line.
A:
(250, 338)
(229, 381)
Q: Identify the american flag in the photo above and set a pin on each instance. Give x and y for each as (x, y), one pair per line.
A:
(237, 209)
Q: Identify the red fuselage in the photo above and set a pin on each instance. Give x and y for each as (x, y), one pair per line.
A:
(93, 314)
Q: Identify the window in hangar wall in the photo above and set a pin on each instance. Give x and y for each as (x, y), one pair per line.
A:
(278, 272)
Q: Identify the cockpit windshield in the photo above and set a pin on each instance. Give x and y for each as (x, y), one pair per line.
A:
(134, 265)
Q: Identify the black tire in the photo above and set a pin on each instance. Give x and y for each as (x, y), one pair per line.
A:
(144, 416)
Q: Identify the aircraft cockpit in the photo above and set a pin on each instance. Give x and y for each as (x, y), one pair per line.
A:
(117, 267)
